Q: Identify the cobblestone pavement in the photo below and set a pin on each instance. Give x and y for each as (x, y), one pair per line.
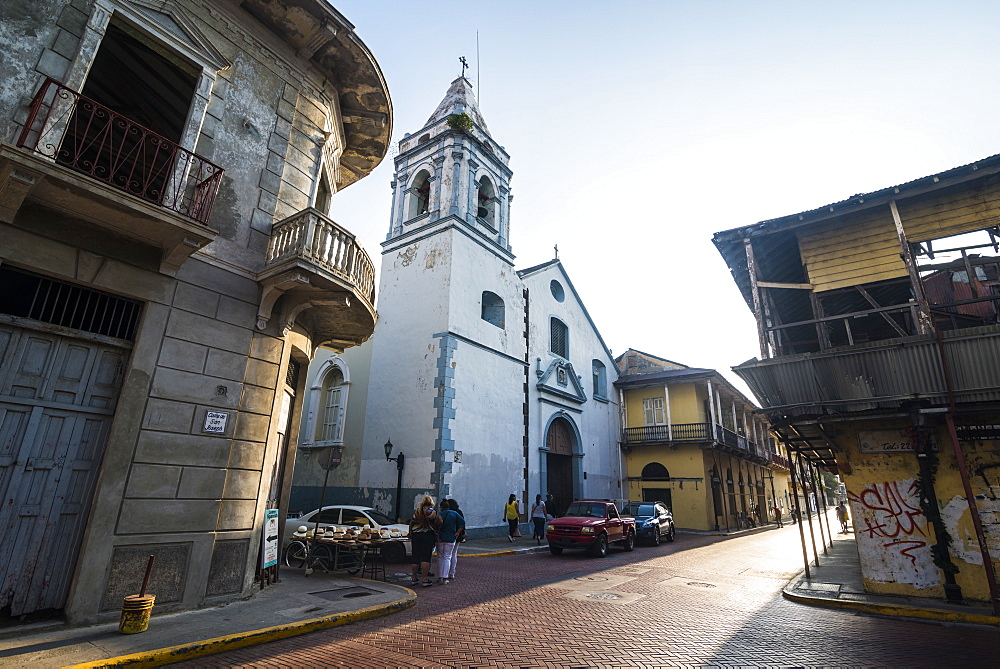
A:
(699, 601)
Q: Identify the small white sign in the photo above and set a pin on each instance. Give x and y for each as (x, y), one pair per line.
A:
(270, 553)
(215, 422)
(888, 441)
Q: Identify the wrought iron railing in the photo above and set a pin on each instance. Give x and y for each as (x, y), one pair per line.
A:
(85, 136)
(688, 432)
(311, 236)
(779, 460)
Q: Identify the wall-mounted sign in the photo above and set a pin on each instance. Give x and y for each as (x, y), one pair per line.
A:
(215, 422)
(270, 553)
(888, 441)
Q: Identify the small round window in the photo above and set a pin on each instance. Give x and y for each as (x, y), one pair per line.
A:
(557, 290)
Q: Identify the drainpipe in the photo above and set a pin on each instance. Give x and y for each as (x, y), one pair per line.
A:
(929, 504)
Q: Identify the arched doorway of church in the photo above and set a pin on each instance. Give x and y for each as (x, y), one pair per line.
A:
(559, 464)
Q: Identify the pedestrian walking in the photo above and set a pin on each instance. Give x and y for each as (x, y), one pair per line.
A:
(451, 523)
(538, 516)
(453, 505)
(777, 515)
(512, 514)
(550, 505)
(842, 517)
(424, 525)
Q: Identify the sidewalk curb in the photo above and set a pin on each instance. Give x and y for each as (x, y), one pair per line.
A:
(896, 610)
(189, 651)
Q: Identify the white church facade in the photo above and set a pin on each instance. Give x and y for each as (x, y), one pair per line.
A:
(488, 380)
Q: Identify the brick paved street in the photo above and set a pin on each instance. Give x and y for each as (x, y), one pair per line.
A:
(700, 601)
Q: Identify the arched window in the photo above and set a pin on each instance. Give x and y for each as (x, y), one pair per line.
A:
(486, 202)
(493, 309)
(600, 379)
(420, 195)
(558, 337)
(330, 421)
(654, 471)
(426, 137)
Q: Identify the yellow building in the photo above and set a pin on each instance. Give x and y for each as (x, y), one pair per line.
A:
(693, 441)
(878, 319)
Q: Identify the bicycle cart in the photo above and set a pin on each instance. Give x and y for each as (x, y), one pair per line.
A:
(329, 556)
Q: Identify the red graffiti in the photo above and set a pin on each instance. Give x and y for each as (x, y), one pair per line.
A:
(889, 516)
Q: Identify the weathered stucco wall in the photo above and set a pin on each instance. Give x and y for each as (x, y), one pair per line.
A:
(893, 533)
(167, 486)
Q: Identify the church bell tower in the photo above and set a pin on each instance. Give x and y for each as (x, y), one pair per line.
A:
(449, 350)
(452, 172)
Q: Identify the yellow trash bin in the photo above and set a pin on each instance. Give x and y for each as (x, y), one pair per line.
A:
(136, 610)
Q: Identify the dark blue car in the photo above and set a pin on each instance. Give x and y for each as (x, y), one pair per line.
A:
(654, 521)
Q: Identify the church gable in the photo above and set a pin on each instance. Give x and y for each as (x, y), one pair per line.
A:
(560, 379)
(550, 280)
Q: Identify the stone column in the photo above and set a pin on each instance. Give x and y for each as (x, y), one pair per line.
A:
(473, 200)
(434, 207)
(456, 181)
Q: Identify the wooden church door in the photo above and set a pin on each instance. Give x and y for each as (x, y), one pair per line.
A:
(559, 465)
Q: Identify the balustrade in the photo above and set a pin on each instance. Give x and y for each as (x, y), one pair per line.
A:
(311, 236)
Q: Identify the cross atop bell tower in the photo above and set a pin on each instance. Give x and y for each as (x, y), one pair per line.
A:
(451, 173)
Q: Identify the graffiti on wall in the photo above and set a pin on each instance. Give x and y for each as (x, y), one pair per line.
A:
(965, 546)
(892, 534)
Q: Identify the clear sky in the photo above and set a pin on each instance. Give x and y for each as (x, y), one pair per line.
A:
(636, 130)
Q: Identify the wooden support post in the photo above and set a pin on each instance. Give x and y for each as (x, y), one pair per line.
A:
(797, 511)
(666, 400)
(925, 325)
(711, 411)
(755, 291)
(970, 273)
(822, 334)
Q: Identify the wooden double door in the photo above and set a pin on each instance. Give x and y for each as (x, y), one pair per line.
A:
(57, 398)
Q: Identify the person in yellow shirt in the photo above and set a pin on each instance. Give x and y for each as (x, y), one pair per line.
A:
(512, 514)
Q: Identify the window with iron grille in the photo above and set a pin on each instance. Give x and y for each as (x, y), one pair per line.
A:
(43, 299)
(558, 337)
(292, 374)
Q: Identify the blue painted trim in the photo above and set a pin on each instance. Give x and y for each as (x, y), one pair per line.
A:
(444, 404)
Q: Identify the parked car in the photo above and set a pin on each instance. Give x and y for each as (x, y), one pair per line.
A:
(351, 516)
(593, 525)
(654, 521)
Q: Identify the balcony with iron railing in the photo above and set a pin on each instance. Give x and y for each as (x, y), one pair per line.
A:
(324, 278)
(80, 157)
(680, 433)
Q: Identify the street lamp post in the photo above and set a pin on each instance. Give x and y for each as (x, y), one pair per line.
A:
(399, 473)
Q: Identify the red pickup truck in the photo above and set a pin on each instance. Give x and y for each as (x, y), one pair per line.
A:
(592, 524)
